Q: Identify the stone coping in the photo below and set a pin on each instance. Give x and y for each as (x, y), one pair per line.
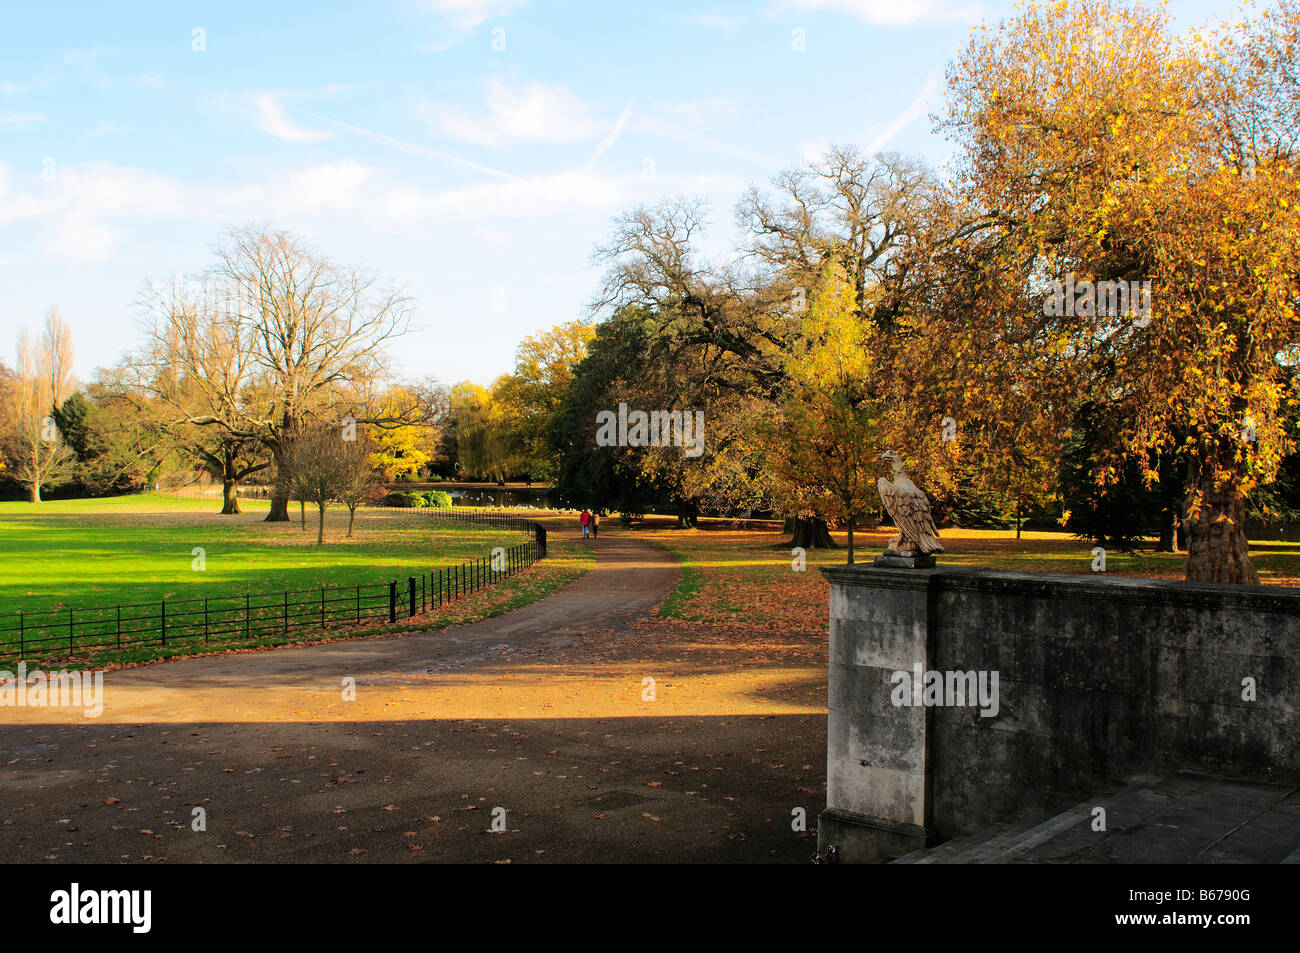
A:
(1050, 585)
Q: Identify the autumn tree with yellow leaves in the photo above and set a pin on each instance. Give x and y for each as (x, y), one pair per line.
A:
(1099, 151)
(827, 435)
(403, 447)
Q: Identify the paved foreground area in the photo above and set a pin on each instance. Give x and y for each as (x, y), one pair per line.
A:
(587, 729)
(1183, 819)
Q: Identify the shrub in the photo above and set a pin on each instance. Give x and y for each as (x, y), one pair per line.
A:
(437, 498)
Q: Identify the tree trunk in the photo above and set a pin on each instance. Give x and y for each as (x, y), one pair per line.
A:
(850, 541)
(812, 533)
(1017, 516)
(279, 506)
(302, 513)
(352, 518)
(320, 527)
(280, 492)
(36, 493)
(1217, 550)
(229, 497)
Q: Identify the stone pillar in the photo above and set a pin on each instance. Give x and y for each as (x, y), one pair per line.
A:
(877, 785)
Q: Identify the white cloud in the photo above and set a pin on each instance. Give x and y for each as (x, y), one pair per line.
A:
(915, 110)
(72, 211)
(270, 118)
(20, 119)
(526, 198)
(610, 138)
(537, 113)
(660, 126)
(701, 113)
(79, 238)
(714, 21)
(889, 12)
(87, 58)
(559, 194)
(322, 188)
(414, 149)
(466, 14)
(90, 211)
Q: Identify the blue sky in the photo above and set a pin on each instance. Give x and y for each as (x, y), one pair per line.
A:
(473, 150)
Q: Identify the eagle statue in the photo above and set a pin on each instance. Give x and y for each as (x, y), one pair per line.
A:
(910, 510)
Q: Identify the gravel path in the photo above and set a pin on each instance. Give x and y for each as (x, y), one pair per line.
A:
(581, 726)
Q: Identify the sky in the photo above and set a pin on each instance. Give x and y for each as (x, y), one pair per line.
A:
(472, 151)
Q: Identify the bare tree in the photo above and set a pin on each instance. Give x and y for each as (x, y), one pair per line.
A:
(858, 210)
(40, 382)
(198, 372)
(318, 465)
(318, 331)
(358, 481)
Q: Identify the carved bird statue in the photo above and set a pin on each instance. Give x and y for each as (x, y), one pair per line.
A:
(910, 510)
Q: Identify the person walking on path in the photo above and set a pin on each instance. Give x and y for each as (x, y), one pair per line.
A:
(585, 520)
(595, 523)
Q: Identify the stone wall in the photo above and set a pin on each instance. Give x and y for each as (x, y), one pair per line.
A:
(1100, 680)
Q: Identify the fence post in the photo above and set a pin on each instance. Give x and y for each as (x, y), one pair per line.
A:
(410, 585)
(70, 648)
(286, 610)
(439, 588)
(392, 601)
(247, 615)
(119, 626)
(205, 618)
(358, 603)
(164, 621)
(322, 607)
(22, 635)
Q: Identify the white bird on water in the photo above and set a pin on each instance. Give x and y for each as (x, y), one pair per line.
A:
(910, 510)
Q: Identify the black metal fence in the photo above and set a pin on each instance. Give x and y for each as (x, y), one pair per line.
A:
(473, 514)
(202, 621)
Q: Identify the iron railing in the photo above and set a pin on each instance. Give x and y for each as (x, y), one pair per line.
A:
(249, 616)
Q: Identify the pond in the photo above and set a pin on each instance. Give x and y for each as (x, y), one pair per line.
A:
(539, 498)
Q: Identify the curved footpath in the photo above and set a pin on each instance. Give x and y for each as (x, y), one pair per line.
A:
(532, 711)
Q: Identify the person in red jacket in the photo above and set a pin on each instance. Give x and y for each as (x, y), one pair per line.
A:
(585, 520)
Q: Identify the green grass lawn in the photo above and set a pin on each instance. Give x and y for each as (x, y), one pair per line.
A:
(140, 550)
